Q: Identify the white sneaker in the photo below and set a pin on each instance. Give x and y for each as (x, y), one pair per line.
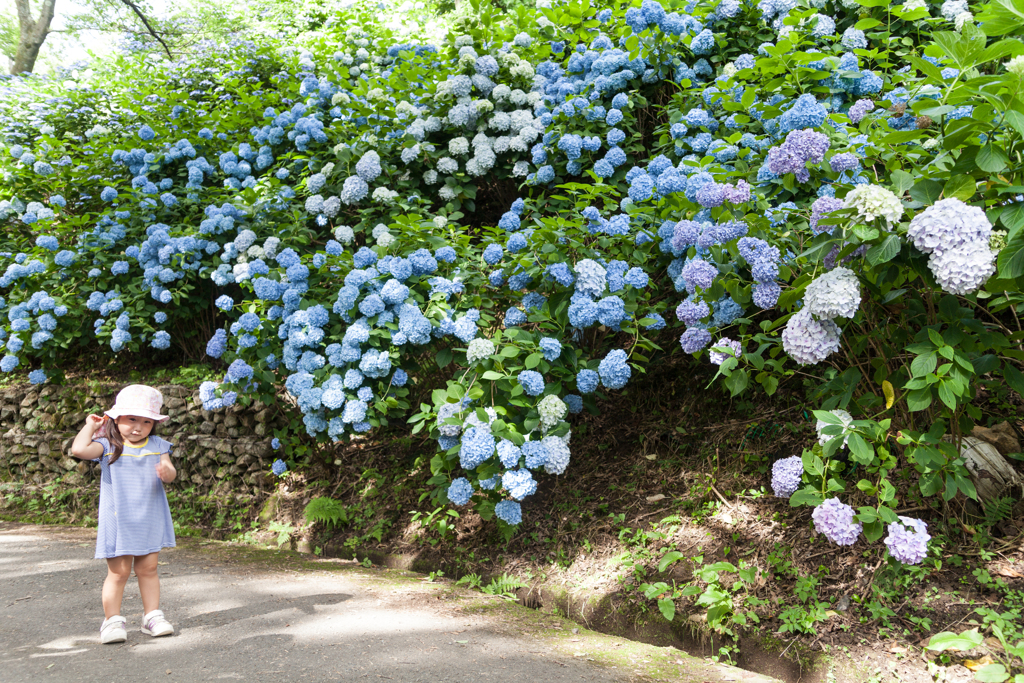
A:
(112, 630)
(154, 624)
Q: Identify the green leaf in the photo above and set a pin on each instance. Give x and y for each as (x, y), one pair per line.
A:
(923, 364)
(968, 640)
(533, 360)
(947, 395)
(669, 558)
(492, 375)
(668, 608)
(860, 450)
(444, 357)
(1014, 378)
(1011, 258)
(901, 182)
(993, 673)
(991, 159)
(1016, 120)
(960, 186)
(865, 24)
(737, 382)
(919, 400)
(510, 351)
(926, 191)
(884, 252)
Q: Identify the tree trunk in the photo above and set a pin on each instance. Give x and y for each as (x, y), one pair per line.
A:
(32, 34)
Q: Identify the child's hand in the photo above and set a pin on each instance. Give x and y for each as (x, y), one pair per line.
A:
(95, 421)
(165, 470)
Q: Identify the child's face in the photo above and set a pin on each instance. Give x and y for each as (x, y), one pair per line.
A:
(134, 429)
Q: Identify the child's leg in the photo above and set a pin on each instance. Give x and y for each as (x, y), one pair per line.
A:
(149, 582)
(118, 571)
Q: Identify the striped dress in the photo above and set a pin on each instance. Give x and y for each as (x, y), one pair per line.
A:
(134, 516)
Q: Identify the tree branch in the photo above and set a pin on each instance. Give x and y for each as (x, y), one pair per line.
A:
(133, 7)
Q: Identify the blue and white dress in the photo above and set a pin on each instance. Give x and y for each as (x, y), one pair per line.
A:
(134, 516)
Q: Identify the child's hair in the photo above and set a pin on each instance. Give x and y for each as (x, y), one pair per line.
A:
(113, 435)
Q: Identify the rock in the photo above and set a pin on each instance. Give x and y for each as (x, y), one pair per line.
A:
(230, 420)
(29, 400)
(207, 427)
(1001, 436)
(990, 472)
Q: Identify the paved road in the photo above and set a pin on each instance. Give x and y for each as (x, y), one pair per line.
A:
(244, 621)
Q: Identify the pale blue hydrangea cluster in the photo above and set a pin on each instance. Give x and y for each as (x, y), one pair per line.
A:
(956, 236)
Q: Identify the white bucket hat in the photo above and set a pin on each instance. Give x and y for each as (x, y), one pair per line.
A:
(139, 400)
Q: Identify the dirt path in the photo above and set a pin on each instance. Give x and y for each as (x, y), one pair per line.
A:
(258, 615)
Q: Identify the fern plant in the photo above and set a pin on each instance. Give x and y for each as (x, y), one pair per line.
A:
(504, 585)
(471, 580)
(328, 511)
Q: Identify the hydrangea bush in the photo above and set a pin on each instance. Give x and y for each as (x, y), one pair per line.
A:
(488, 229)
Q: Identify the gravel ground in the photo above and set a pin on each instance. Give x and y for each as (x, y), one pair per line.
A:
(278, 619)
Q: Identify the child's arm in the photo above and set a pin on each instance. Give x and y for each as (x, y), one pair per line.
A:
(165, 470)
(83, 446)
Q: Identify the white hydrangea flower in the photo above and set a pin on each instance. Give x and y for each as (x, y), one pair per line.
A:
(874, 201)
(521, 169)
(951, 8)
(344, 234)
(379, 230)
(440, 221)
(552, 411)
(384, 195)
(821, 424)
(948, 224)
(386, 240)
(965, 269)
(912, 5)
(809, 341)
(590, 278)
(479, 349)
(835, 294)
(430, 177)
(446, 193)
(1016, 66)
(962, 19)
(458, 146)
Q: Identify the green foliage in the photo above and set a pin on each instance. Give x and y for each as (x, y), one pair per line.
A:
(326, 511)
(504, 586)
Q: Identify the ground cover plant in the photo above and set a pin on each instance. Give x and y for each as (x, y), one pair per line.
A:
(485, 231)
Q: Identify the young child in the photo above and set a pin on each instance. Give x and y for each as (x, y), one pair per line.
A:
(135, 520)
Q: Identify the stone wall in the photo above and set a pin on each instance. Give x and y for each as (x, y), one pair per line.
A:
(225, 450)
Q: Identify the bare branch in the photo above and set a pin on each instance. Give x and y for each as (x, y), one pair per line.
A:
(133, 7)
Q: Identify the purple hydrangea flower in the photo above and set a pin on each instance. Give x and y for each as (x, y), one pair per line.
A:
(834, 520)
(907, 540)
(786, 474)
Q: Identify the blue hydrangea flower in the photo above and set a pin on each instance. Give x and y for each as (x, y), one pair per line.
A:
(613, 369)
(532, 382)
(460, 491)
(509, 512)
